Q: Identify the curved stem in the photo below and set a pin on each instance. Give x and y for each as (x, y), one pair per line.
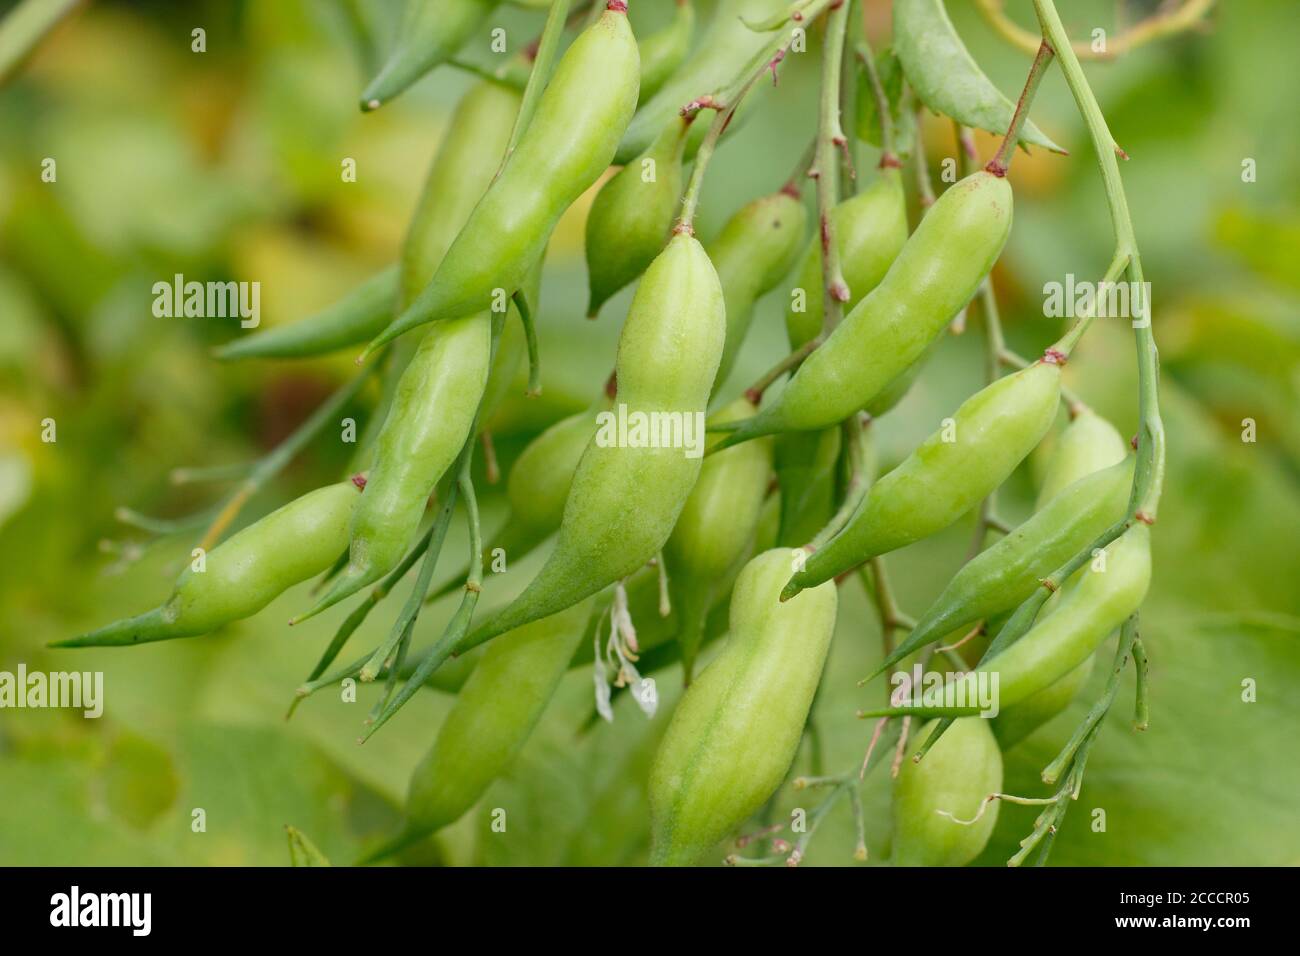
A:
(1160, 24)
(1149, 476)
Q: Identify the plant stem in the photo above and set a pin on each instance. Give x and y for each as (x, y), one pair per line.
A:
(830, 140)
(726, 101)
(1160, 24)
(1149, 476)
(1001, 160)
(530, 335)
(865, 56)
(270, 465)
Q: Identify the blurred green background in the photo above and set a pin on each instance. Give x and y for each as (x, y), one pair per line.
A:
(226, 165)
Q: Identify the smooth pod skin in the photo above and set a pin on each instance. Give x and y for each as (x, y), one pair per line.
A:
(737, 729)
(955, 776)
(723, 51)
(805, 476)
(1017, 722)
(1088, 444)
(1089, 611)
(754, 251)
(571, 140)
(1005, 574)
(939, 270)
(947, 475)
(494, 714)
(357, 317)
(430, 33)
(946, 77)
(870, 230)
(537, 488)
(245, 573)
(626, 496)
(430, 418)
(633, 214)
(461, 171)
(715, 530)
(663, 52)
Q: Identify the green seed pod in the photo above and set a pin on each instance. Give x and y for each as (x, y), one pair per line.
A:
(357, 317)
(494, 714)
(626, 495)
(663, 52)
(946, 77)
(952, 470)
(1017, 722)
(937, 273)
(571, 140)
(538, 486)
(1110, 589)
(461, 171)
(955, 777)
(723, 51)
(430, 418)
(1088, 444)
(715, 530)
(1004, 575)
(429, 34)
(897, 390)
(245, 573)
(754, 251)
(632, 215)
(870, 230)
(736, 731)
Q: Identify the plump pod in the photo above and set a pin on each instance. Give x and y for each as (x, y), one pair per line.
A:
(715, 530)
(663, 52)
(571, 140)
(461, 171)
(1088, 444)
(429, 34)
(735, 733)
(946, 77)
(724, 49)
(430, 418)
(963, 768)
(937, 273)
(357, 317)
(632, 215)
(494, 714)
(754, 251)
(537, 488)
(870, 230)
(1003, 575)
(952, 470)
(626, 495)
(245, 573)
(1110, 589)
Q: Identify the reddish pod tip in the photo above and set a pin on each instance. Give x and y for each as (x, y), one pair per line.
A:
(360, 481)
(616, 6)
(889, 161)
(1133, 443)
(611, 385)
(1145, 518)
(997, 169)
(792, 189)
(683, 229)
(1055, 357)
